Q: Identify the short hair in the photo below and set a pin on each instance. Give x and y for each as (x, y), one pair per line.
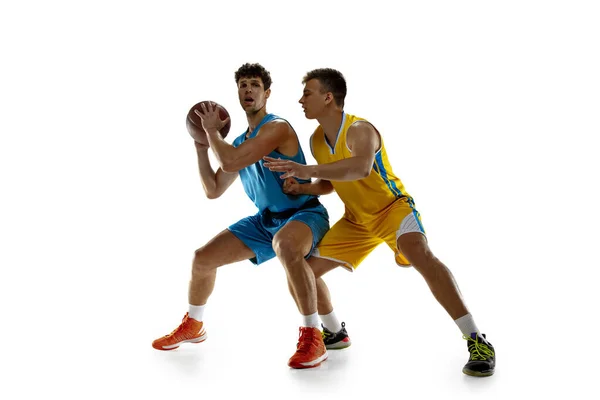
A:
(254, 71)
(332, 81)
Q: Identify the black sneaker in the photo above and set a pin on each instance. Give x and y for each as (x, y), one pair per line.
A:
(482, 360)
(337, 340)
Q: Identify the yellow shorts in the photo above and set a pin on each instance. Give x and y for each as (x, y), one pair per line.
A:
(350, 243)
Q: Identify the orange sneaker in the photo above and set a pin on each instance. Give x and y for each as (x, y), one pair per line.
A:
(190, 330)
(310, 351)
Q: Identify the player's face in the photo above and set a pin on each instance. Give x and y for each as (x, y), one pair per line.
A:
(252, 94)
(313, 99)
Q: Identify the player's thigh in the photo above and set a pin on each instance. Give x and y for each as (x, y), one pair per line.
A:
(295, 237)
(255, 235)
(225, 248)
(401, 219)
(321, 266)
(304, 230)
(347, 243)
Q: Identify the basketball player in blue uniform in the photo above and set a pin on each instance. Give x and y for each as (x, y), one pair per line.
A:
(285, 226)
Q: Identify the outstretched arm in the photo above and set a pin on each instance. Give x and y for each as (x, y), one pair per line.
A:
(363, 141)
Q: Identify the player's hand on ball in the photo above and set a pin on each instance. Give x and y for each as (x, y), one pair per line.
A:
(210, 117)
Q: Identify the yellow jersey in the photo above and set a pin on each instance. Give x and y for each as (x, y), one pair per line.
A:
(365, 199)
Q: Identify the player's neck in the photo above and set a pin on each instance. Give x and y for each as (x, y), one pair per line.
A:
(331, 123)
(255, 118)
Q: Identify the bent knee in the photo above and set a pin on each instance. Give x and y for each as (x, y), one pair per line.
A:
(288, 249)
(417, 253)
(202, 261)
(414, 245)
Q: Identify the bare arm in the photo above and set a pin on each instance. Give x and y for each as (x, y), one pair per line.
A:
(363, 141)
(214, 184)
(271, 135)
(317, 188)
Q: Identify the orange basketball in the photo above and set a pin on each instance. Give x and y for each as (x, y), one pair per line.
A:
(194, 123)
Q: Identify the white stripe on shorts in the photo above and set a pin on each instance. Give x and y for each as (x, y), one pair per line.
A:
(409, 224)
(343, 263)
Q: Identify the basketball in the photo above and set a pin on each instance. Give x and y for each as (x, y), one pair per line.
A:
(194, 123)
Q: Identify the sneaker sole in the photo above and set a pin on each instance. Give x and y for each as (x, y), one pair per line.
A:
(310, 364)
(477, 373)
(338, 345)
(176, 345)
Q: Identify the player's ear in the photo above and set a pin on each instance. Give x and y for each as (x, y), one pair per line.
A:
(328, 97)
(267, 93)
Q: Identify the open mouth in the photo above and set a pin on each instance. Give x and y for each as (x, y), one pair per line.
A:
(248, 100)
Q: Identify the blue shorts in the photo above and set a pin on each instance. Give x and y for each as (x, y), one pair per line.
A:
(257, 231)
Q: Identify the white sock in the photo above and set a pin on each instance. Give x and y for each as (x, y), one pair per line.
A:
(466, 324)
(311, 320)
(196, 312)
(331, 322)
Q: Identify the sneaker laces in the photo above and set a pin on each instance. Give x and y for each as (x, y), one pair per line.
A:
(305, 340)
(326, 333)
(479, 350)
(179, 328)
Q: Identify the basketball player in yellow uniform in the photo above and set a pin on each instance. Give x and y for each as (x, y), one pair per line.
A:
(352, 160)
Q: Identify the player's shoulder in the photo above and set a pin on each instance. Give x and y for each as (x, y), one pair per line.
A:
(360, 125)
(278, 121)
(277, 124)
(361, 129)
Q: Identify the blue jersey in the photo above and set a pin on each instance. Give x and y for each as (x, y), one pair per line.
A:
(265, 187)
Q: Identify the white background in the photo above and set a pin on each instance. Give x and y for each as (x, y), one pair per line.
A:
(490, 115)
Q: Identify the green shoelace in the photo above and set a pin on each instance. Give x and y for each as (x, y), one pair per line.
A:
(479, 351)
